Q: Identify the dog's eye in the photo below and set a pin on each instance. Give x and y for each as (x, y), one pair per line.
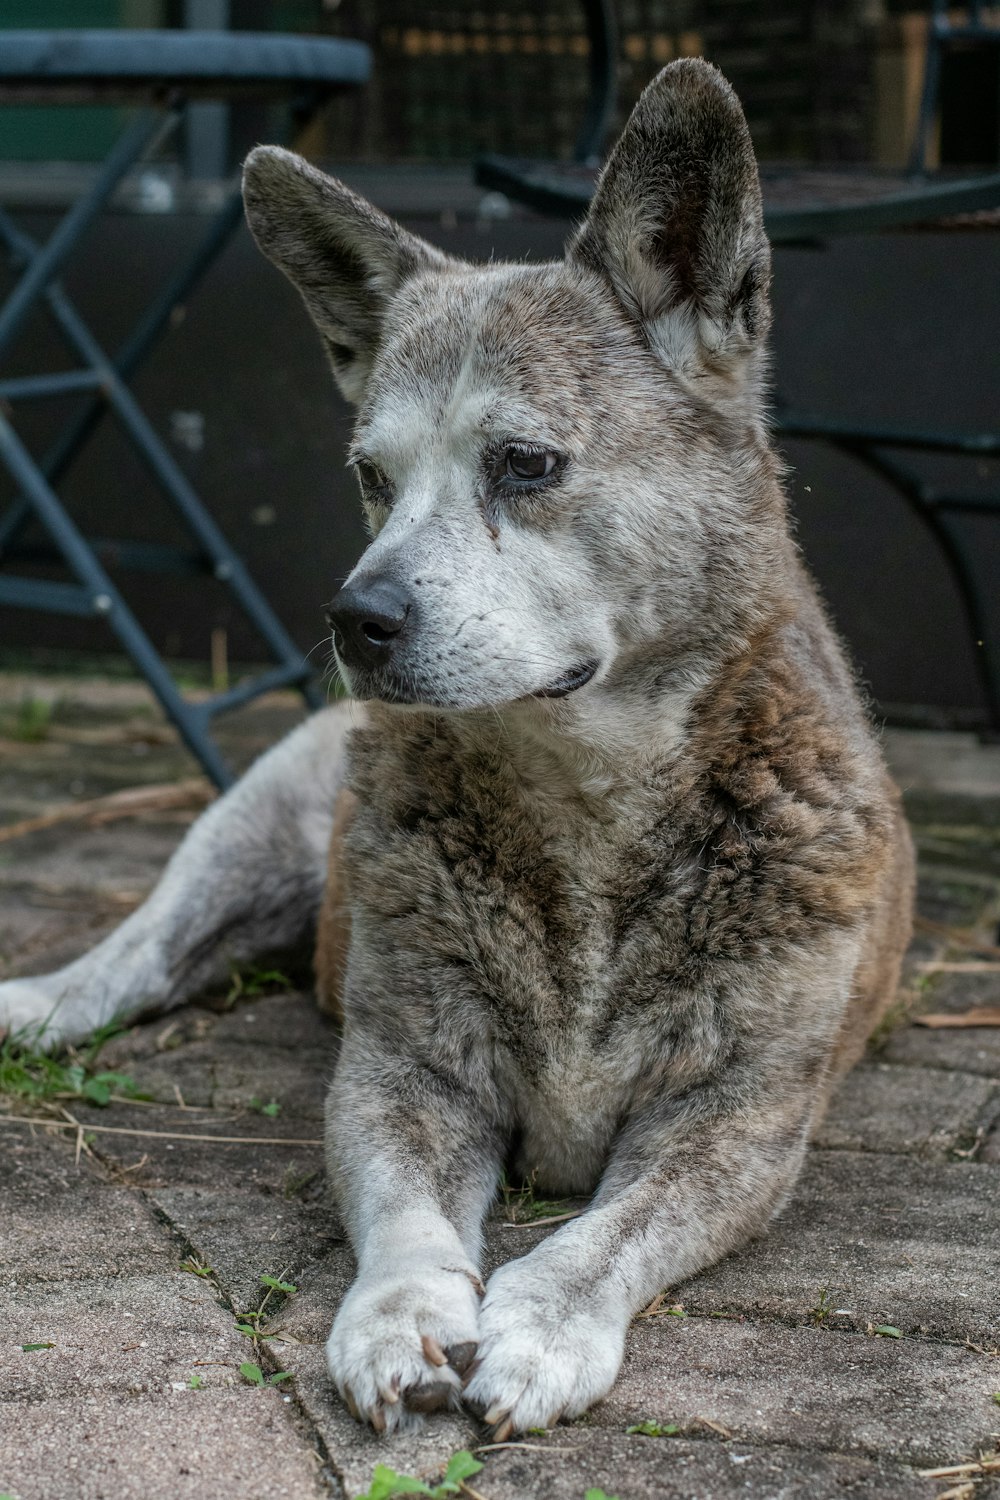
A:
(526, 464)
(370, 476)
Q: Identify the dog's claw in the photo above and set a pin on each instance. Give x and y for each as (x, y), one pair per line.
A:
(460, 1356)
(378, 1419)
(389, 1391)
(428, 1398)
(433, 1352)
(351, 1404)
(502, 1431)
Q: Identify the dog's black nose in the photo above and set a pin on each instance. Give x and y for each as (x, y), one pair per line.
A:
(368, 619)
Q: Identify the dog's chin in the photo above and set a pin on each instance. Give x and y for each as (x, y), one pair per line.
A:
(406, 691)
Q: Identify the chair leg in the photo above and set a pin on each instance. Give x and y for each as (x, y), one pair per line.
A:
(106, 602)
(225, 564)
(47, 261)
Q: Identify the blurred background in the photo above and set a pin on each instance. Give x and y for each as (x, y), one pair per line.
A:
(895, 328)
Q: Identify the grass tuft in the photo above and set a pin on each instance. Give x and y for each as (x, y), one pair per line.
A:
(28, 1073)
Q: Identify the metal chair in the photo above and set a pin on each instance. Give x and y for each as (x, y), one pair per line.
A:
(162, 71)
(945, 34)
(564, 189)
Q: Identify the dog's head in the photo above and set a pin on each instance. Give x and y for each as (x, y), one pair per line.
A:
(563, 466)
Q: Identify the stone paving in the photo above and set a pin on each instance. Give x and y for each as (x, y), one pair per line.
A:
(853, 1348)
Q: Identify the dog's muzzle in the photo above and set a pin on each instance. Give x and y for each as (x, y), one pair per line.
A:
(369, 621)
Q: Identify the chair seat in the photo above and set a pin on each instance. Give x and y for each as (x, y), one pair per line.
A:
(126, 63)
(799, 203)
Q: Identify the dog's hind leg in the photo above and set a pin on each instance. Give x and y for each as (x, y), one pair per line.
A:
(248, 879)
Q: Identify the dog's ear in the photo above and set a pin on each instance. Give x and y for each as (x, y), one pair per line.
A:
(346, 258)
(676, 225)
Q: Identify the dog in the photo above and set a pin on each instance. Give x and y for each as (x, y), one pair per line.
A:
(610, 879)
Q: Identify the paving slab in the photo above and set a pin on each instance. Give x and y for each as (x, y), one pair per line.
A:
(815, 1388)
(974, 1049)
(189, 1445)
(880, 1107)
(130, 1335)
(233, 1076)
(228, 1150)
(126, 856)
(41, 929)
(355, 1450)
(873, 1239)
(244, 1236)
(64, 1221)
(569, 1462)
(951, 896)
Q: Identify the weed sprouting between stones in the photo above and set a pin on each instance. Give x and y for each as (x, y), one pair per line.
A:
(28, 1073)
(386, 1483)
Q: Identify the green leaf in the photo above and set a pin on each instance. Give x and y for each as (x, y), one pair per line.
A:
(247, 1331)
(887, 1331)
(253, 1373)
(996, 1397)
(195, 1269)
(655, 1429)
(30, 1348)
(279, 1286)
(386, 1483)
(278, 1376)
(195, 1383)
(271, 1109)
(461, 1466)
(598, 1495)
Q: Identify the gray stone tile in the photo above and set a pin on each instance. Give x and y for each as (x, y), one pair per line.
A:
(243, 1235)
(890, 1239)
(124, 856)
(191, 1445)
(954, 895)
(62, 1221)
(355, 1450)
(42, 930)
(883, 1107)
(188, 1148)
(288, 1022)
(816, 1388)
(133, 1335)
(965, 1050)
(570, 1461)
(231, 1075)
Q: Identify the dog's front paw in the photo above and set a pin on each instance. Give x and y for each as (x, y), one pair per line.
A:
(545, 1350)
(400, 1345)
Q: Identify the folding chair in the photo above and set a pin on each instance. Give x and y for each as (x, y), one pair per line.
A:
(162, 71)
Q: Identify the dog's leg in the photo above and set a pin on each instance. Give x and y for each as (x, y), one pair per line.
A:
(247, 880)
(687, 1183)
(694, 1173)
(415, 1158)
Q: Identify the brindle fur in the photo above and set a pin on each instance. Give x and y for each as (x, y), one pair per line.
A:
(622, 942)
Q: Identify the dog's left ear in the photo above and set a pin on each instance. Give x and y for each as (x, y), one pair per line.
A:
(676, 226)
(346, 258)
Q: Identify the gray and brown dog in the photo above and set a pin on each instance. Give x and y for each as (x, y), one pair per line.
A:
(620, 884)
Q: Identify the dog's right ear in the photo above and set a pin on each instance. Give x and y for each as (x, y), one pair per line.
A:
(346, 258)
(676, 228)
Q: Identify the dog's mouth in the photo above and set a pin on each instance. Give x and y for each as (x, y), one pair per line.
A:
(577, 677)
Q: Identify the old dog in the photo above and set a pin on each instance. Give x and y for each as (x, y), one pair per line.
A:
(610, 880)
